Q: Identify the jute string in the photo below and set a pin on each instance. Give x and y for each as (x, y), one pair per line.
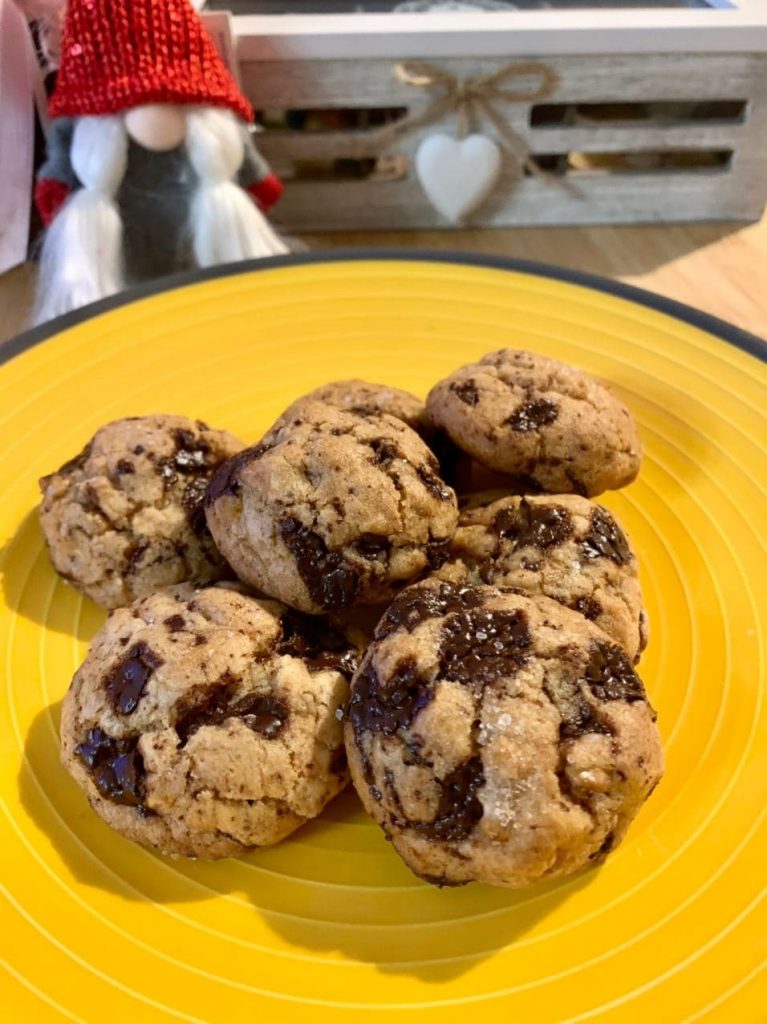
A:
(470, 99)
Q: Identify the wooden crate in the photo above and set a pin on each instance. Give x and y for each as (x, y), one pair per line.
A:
(654, 117)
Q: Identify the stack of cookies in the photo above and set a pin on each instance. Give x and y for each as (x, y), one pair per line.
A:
(426, 600)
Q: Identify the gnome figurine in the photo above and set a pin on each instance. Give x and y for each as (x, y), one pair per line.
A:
(151, 166)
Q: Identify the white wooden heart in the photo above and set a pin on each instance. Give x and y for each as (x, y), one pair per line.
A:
(457, 175)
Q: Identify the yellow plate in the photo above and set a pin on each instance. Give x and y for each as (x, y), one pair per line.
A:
(330, 926)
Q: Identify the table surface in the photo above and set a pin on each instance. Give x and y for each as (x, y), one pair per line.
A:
(719, 268)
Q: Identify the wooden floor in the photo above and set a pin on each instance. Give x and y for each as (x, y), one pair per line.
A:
(720, 268)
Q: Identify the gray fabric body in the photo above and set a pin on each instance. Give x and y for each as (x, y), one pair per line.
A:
(154, 199)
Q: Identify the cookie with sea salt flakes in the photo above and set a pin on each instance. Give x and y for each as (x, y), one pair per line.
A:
(549, 426)
(561, 546)
(205, 722)
(497, 737)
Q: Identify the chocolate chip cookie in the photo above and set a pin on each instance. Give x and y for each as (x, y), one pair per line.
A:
(548, 425)
(204, 722)
(332, 509)
(366, 399)
(562, 546)
(497, 737)
(125, 517)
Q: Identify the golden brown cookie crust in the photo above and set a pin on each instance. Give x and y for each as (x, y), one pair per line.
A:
(498, 738)
(550, 426)
(124, 517)
(332, 509)
(367, 399)
(562, 546)
(205, 722)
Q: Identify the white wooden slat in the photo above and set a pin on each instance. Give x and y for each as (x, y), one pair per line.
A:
(300, 145)
(332, 37)
(609, 78)
(624, 198)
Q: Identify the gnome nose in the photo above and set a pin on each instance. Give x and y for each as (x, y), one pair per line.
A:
(156, 126)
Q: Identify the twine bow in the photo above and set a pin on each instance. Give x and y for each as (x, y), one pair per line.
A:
(468, 98)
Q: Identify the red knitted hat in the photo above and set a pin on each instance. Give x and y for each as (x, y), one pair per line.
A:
(120, 55)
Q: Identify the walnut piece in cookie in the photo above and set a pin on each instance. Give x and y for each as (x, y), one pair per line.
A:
(204, 722)
(548, 425)
(125, 517)
(562, 546)
(332, 509)
(497, 737)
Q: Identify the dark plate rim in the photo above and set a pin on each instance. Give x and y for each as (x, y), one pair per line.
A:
(741, 339)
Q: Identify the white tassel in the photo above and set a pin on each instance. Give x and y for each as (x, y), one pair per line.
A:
(81, 259)
(225, 223)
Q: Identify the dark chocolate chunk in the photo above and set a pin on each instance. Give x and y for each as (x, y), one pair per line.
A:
(541, 526)
(90, 500)
(576, 714)
(441, 881)
(332, 584)
(138, 450)
(317, 643)
(191, 457)
(390, 705)
(175, 623)
(373, 546)
(225, 479)
(437, 552)
(213, 705)
(480, 645)
(466, 390)
(194, 495)
(125, 467)
(605, 538)
(433, 483)
(581, 720)
(186, 461)
(264, 715)
(533, 414)
(133, 554)
(96, 748)
(127, 681)
(193, 500)
(167, 472)
(188, 441)
(460, 809)
(204, 705)
(610, 675)
(384, 451)
(588, 607)
(115, 765)
(417, 604)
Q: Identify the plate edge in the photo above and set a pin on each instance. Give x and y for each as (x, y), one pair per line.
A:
(736, 336)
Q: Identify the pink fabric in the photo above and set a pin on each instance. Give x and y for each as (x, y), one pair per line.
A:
(18, 81)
